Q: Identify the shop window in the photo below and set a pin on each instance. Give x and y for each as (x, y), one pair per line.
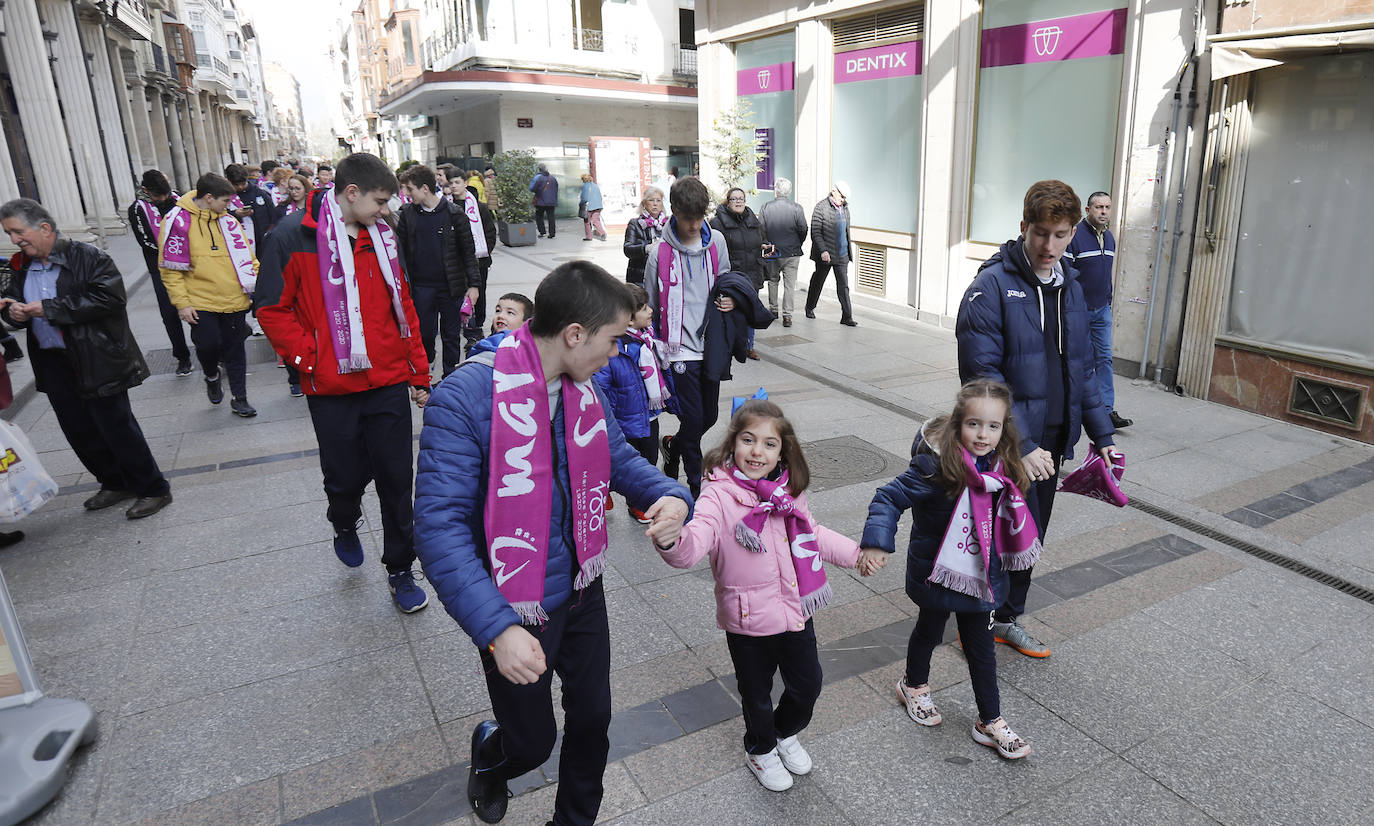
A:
(1301, 277)
(876, 132)
(766, 71)
(1048, 87)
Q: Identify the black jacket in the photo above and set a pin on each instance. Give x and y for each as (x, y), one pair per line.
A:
(638, 236)
(744, 238)
(460, 254)
(89, 311)
(784, 226)
(727, 334)
(147, 237)
(264, 212)
(825, 231)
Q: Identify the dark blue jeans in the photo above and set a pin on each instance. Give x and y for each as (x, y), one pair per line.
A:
(976, 638)
(698, 407)
(756, 659)
(577, 647)
(1040, 500)
(439, 315)
(1100, 331)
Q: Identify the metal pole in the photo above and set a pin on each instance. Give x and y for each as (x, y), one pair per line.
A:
(1163, 216)
(1173, 252)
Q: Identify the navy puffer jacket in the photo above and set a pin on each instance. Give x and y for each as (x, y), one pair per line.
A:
(451, 495)
(1000, 338)
(621, 382)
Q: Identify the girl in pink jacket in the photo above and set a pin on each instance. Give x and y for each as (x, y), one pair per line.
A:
(752, 521)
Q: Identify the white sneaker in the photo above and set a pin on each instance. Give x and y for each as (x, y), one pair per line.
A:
(769, 770)
(794, 757)
(919, 705)
(999, 737)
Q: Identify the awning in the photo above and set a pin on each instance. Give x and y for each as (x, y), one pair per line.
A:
(1238, 56)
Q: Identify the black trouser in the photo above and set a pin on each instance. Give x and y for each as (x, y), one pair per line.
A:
(813, 292)
(366, 437)
(540, 214)
(976, 638)
(647, 445)
(577, 647)
(102, 430)
(176, 333)
(698, 407)
(293, 376)
(219, 338)
(1040, 500)
(472, 331)
(756, 658)
(439, 314)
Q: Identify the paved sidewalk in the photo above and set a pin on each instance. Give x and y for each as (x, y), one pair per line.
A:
(242, 675)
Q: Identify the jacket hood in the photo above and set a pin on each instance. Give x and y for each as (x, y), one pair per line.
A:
(488, 344)
(188, 203)
(670, 235)
(924, 438)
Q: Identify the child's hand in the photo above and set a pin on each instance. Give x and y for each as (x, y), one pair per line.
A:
(665, 520)
(871, 560)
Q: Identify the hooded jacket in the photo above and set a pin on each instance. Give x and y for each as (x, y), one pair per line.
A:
(727, 334)
(545, 189)
(623, 385)
(756, 593)
(1001, 337)
(744, 238)
(90, 313)
(290, 307)
(451, 496)
(919, 491)
(696, 295)
(211, 284)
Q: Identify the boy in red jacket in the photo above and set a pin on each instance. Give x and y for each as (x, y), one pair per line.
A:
(332, 300)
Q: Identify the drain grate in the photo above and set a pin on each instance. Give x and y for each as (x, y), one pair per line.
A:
(1345, 586)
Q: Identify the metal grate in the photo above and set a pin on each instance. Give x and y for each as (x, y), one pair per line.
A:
(870, 270)
(257, 349)
(1345, 586)
(1325, 401)
(891, 26)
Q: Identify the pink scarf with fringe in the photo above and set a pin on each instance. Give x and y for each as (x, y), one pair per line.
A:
(670, 266)
(339, 283)
(651, 368)
(520, 476)
(175, 246)
(979, 524)
(812, 585)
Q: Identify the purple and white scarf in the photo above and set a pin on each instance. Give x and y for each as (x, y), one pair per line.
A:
(650, 222)
(520, 476)
(153, 215)
(977, 524)
(651, 365)
(175, 245)
(669, 266)
(479, 238)
(236, 203)
(1097, 479)
(339, 283)
(773, 497)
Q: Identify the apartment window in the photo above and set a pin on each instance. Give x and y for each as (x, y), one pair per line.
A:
(687, 28)
(1068, 51)
(408, 41)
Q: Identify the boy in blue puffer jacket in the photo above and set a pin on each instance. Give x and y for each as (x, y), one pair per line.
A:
(511, 533)
(636, 384)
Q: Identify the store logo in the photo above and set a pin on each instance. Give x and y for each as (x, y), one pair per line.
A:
(764, 76)
(1046, 40)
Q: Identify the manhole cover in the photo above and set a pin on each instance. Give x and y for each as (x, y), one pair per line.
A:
(849, 460)
(785, 340)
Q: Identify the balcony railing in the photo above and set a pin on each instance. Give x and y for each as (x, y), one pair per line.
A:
(686, 62)
(589, 40)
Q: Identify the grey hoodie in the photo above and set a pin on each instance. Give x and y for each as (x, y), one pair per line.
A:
(698, 291)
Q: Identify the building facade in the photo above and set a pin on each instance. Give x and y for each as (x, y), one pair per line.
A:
(941, 114)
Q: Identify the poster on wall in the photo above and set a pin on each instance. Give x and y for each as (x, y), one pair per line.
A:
(622, 168)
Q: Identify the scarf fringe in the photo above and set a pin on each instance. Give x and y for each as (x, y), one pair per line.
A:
(748, 537)
(353, 364)
(531, 613)
(591, 569)
(962, 583)
(168, 265)
(1024, 560)
(817, 599)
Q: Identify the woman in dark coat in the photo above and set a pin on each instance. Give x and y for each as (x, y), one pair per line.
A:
(744, 239)
(642, 232)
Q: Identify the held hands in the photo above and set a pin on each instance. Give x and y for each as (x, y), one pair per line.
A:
(419, 395)
(519, 656)
(665, 521)
(872, 560)
(1039, 464)
(188, 315)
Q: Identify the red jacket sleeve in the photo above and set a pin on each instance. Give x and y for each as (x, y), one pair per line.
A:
(419, 361)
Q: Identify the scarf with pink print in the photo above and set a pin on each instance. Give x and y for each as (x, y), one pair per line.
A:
(773, 497)
(175, 245)
(651, 365)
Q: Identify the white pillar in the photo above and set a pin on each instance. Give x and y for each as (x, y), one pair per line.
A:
(198, 130)
(184, 174)
(83, 129)
(157, 130)
(111, 116)
(814, 104)
(36, 95)
(8, 182)
(128, 116)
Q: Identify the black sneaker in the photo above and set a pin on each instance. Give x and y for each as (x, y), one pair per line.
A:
(296, 391)
(487, 791)
(241, 407)
(12, 351)
(1119, 421)
(183, 367)
(671, 459)
(214, 389)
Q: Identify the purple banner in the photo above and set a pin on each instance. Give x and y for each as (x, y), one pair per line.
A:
(764, 79)
(897, 60)
(763, 139)
(1065, 38)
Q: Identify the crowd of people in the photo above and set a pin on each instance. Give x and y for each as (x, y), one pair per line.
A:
(353, 274)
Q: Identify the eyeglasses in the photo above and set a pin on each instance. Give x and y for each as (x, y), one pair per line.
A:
(736, 200)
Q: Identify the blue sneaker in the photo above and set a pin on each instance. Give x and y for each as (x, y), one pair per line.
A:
(348, 548)
(409, 597)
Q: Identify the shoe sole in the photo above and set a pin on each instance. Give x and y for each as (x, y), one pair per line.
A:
(991, 742)
(1039, 655)
(245, 415)
(931, 723)
(419, 607)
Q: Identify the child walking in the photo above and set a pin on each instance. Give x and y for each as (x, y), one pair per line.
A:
(635, 383)
(753, 522)
(970, 525)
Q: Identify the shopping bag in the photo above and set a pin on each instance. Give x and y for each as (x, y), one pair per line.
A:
(737, 401)
(24, 484)
(1097, 479)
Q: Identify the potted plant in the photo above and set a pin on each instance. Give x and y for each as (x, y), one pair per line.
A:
(515, 217)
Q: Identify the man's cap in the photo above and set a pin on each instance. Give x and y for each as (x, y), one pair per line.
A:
(843, 188)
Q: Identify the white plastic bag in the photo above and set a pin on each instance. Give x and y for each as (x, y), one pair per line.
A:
(24, 484)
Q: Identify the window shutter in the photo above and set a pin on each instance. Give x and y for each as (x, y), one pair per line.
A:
(891, 26)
